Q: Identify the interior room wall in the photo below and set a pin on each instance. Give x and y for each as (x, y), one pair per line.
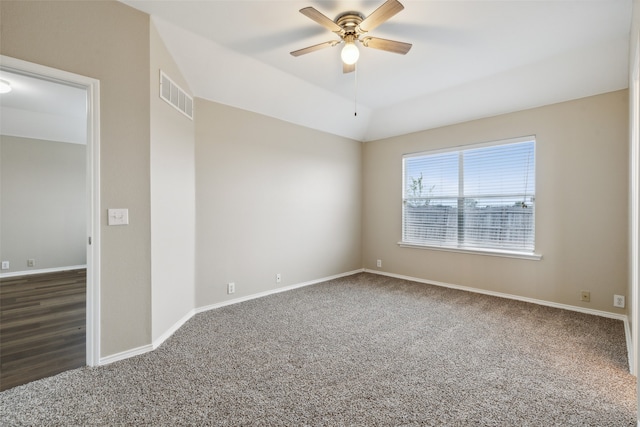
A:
(581, 205)
(108, 41)
(42, 203)
(172, 199)
(272, 198)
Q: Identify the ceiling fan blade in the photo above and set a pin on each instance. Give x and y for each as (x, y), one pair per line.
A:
(388, 45)
(348, 68)
(321, 19)
(314, 48)
(380, 15)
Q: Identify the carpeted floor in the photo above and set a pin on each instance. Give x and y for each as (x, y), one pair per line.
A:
(363, 350)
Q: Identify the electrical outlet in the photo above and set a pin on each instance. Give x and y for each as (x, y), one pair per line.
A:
(585, 296)
(31, 263)
(379, 263)
(231, 288)
(278, 278)
(5, 265)
(618, 301)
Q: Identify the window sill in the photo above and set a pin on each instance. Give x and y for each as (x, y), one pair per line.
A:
(476, 251)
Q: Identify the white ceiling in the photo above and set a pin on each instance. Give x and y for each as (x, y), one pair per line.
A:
(470, 59)
(43, 109)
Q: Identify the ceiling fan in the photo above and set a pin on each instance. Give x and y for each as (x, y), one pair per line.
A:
(350, 26)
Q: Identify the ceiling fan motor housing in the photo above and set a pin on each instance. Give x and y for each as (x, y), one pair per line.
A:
(349, 22)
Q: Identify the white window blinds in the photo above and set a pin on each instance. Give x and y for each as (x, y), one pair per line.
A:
(476, 197)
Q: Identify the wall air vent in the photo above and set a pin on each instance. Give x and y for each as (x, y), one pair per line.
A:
(175, 96)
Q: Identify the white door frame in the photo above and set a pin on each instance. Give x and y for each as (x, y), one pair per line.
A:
(93, 187)
(635, 209)
(634, 128)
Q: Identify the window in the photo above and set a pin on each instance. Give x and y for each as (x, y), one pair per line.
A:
(479, 197)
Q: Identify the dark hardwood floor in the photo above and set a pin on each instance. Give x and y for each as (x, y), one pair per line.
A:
(42, 326)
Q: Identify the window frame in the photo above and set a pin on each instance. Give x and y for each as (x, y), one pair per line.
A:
(500, 252)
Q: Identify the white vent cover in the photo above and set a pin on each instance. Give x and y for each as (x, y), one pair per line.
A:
(175, 96)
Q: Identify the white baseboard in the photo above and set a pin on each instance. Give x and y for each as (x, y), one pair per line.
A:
(125, 354)
(165, 336)
(624, 318)
(42, 270)
(147, 348)
(503, 295)
(162, 338)
(275, 291)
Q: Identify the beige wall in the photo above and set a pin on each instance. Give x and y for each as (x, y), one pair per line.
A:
(581, 204)
(272, 197)
(42, 203)
(305, 229)
(108, 41)
(172, 200)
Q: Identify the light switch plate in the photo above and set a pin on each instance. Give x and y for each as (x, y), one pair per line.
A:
(118, 216)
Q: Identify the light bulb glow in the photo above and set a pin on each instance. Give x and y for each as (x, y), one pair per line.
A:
(5, 87)
(350, 53)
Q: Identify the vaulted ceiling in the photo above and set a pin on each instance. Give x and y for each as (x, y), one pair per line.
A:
(470, 59)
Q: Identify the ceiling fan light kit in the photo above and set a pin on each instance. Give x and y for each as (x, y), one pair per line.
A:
(349, 26)
(350, 52)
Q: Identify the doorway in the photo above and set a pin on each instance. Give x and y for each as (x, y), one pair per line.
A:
(68, 127)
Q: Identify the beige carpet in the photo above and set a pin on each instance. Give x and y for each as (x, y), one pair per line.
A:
(363, 350)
